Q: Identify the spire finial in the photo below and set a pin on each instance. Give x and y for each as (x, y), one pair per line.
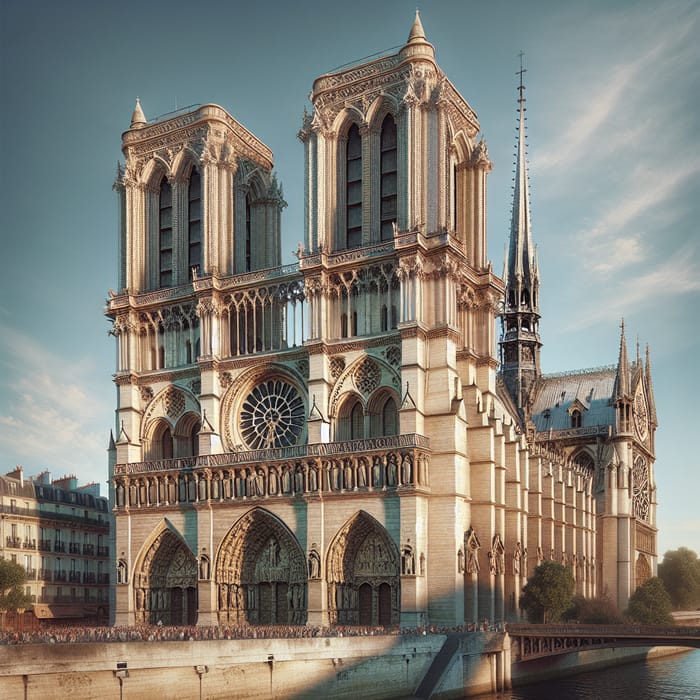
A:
(521, 72)
(417, 32)
(138, 118)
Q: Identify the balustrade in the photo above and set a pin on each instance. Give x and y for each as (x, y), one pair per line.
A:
(391, 463)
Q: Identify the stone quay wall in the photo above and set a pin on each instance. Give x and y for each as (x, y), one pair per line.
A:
(372, 667)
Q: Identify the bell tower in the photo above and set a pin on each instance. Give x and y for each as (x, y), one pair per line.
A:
(520, 317)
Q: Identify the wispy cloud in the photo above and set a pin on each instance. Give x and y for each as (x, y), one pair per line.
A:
(625, 232)
(614, 102)
(48, 415)
(678, 275)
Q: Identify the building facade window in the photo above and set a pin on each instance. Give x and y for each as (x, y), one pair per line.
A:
(165, 235)
(194, 223)
(248, 235)
(388, 184)
(575, 418)
(353, 188)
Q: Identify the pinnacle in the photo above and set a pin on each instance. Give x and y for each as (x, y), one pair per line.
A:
(417, 32)
(138, 118)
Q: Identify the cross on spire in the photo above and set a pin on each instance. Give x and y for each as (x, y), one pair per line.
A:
(521, 72)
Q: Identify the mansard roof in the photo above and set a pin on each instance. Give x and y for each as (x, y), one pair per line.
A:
(13, 487)
(593, 389)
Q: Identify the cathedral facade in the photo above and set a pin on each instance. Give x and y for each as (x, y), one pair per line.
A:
(338, 441)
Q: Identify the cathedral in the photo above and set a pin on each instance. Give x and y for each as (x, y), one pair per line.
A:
(346, 440)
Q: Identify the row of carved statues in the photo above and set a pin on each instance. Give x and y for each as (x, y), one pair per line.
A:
(468, 558)
(390, 470)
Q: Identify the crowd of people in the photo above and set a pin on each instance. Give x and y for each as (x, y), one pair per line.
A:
(56, 634)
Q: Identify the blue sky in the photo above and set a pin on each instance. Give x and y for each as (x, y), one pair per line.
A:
(612, 92)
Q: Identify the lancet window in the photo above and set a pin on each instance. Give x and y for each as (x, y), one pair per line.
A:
(165, 235)
(353, 184)
(194, 225)
(247, 234)
(388, 185)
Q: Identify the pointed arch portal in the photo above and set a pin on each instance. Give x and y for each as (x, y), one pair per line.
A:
(165, 584)
(363, 575)
(261, 573)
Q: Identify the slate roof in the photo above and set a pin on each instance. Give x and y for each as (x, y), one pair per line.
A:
(592, 388)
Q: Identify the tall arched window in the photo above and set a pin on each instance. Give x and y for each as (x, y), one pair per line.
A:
(357, 422)
(353, 184)
(165, 235)
(194, 231)
(389, 416)
(351, 420)
(166, 444)
(388, 178)
(247, 234)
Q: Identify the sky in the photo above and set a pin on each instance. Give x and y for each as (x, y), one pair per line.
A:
(612, 99)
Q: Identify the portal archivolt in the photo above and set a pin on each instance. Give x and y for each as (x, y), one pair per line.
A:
(363, 574)
(165, 584)
(261, 573)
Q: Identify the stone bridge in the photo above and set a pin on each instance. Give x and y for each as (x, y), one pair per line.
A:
(539, 641)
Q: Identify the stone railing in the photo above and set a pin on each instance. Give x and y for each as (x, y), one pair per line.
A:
(376, 464)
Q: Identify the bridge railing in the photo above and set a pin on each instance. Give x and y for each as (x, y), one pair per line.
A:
(521, 630)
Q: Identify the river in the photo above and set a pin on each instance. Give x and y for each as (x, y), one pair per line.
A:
(667, 678)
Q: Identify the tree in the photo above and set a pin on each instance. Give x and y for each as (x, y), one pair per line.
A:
(680, 573)
(593, 611)
(548, 593)
(12, 579)
(650, 604)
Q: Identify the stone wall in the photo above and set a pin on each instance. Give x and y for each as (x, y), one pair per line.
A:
(367, 667)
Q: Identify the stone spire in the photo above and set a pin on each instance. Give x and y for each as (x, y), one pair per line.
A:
(417, 45)
(622, 380)
(417, 32)
(650, 389)
(520, 342)
(138, 118)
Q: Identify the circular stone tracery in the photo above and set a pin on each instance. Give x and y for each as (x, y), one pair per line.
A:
(272, 415)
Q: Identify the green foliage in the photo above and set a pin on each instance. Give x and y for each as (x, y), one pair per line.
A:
(12, 579)
(680, 573)
(593, 611)
(650, 604)
(548, 593)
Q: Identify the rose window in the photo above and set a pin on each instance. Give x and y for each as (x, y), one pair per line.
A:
(640, 485)
(272, 415)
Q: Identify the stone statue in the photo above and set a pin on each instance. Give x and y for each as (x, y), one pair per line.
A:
(362, 473)
(473, 545)
(122, 574)
(391, 471)
(314, 564)
(377, 472)
(517, 558)
(406, 469)
(407, 561)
